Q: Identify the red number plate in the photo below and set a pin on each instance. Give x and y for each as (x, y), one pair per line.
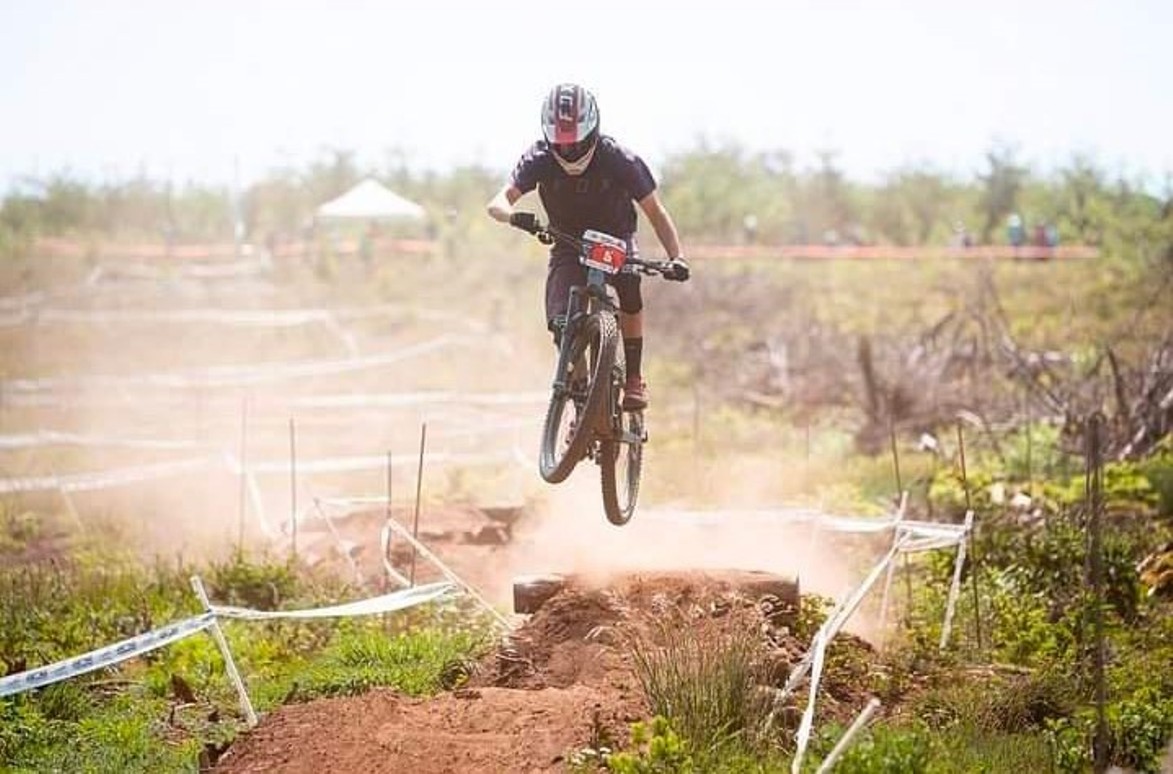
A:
(603, 252)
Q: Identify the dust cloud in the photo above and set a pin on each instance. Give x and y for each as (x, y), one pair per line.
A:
(179, 388)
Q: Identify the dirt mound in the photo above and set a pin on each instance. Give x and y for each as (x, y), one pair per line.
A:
(562, 681)
(472, 730)
(579, 634)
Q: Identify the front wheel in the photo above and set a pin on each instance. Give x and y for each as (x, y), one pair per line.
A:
(573, 412)
(621, 463)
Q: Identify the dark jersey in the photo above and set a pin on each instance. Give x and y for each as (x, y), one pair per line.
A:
(600, 198)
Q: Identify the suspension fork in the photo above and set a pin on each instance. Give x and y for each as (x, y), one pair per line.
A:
(568, 327)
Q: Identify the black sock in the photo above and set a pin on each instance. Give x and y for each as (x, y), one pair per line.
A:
(633, 350)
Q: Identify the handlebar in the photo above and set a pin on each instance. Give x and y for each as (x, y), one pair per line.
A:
(547, 234)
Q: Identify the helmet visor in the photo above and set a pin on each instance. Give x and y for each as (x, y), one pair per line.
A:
(573, 151)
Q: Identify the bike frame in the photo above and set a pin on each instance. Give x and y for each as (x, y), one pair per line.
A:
(584, 301)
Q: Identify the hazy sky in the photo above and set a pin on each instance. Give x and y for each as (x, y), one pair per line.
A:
(104, 87)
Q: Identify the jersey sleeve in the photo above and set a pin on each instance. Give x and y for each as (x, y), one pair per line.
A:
(528, 172)
(636, 176)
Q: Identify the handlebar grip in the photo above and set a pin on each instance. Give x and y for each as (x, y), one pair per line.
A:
(526, 221)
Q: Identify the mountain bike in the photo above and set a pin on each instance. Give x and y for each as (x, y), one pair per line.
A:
(585, 417)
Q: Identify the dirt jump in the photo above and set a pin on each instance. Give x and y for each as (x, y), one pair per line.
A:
(565, 679)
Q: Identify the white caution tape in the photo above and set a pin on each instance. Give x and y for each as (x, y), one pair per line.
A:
(249, 318)
(54, 438)
(399, 399)
(108, 479)
(104, 657)
(227, 376)
(777, 517)
(194, 271)
(374, 462)
(388, 603)
(83, 482)
(20, 302)
(934, 535)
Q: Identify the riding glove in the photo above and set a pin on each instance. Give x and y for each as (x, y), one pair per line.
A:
(678, 270)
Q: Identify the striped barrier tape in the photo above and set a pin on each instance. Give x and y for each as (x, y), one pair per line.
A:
(157, 638)
(83, 482)
(228, 376)
(104, 657)
(137, 474)
(387, 603)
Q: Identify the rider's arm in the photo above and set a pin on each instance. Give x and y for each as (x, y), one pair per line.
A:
(662, 222)
(501, 207)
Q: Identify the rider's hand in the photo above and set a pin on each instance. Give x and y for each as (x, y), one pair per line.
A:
(677, 270)
(526, 221)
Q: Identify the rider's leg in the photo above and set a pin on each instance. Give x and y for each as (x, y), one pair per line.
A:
(631, 324)
(562, 273)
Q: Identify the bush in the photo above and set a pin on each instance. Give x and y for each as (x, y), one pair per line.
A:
(658, 750)
(416, 663)
(1138, 728)
(887, 750)
(704, 682)
(261, 585)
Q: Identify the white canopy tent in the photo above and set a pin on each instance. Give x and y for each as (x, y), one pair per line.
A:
(370, 200)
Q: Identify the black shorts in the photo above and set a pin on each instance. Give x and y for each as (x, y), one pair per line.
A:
(565, 272)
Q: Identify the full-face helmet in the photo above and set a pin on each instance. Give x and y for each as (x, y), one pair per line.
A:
(570, 124)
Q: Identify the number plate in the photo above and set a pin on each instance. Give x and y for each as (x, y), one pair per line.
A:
(603, 252)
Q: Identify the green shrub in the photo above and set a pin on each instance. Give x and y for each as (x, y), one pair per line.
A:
(1158, 469)
(657, 750)
(1138, 730)
(704, 682)
(262, 585)
(887, 750)
(416, 663)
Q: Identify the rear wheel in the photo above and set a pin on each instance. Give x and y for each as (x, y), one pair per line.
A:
(573, 413)
(620, 466)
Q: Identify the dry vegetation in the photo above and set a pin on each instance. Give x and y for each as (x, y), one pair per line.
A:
(773, 381)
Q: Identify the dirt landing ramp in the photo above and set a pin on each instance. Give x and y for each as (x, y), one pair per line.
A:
(472, 730)
(562, 681)
(530, 592)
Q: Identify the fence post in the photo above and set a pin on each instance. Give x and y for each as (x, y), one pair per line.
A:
(293, 487)
(243, 505)
(419, 482)
(955, 586)
(892, 567)
(973, 575)
(860, 721)
(1095, 483)
(246, 705)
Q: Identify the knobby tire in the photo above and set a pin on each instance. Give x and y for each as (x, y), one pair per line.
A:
(621, 484)
(596, 340)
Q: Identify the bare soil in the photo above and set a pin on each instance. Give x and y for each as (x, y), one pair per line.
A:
(562, 681)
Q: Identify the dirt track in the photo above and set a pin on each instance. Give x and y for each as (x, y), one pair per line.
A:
(562, 681)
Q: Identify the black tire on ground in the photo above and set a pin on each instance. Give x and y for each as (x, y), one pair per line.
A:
(596, 342)
(530, 592)
(620, 466)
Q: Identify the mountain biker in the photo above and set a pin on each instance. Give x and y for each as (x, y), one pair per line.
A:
(587, 180)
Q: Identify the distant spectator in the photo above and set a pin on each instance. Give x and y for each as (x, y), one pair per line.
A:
(1040, 237)
(750, 227)
(961, 235)
(1052, 235)
(1015, 231)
